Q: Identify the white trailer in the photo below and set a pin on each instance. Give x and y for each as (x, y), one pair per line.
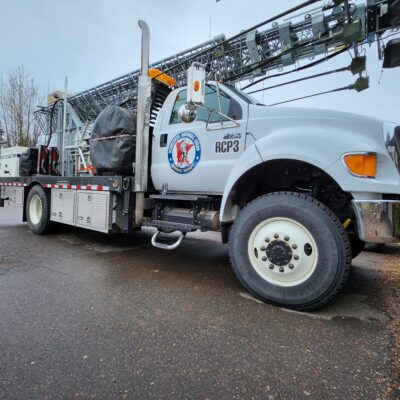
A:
(9, 161)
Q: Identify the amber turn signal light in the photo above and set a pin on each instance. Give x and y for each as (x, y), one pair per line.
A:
(155, 73)
(364, 165)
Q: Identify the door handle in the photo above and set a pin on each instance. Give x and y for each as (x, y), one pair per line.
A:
(164, 140)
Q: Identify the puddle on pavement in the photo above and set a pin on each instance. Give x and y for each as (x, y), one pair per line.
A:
(348, 306)
(99, 245)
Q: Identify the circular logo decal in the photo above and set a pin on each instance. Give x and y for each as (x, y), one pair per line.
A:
(184, 153)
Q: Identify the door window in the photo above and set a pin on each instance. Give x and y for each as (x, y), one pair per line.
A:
(229, 106)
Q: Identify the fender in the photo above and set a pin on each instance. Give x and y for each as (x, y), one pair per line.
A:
(322, 150)
(249, 159)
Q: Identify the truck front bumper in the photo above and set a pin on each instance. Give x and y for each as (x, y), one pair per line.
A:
(378, 221)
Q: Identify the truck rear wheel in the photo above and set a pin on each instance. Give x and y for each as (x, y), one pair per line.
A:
(289, 249)
(38, 211)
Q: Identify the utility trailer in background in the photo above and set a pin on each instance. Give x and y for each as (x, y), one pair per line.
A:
(9, 161)
(295, 192)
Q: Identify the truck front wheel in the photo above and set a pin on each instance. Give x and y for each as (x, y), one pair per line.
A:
(38, 211)
(289, 249)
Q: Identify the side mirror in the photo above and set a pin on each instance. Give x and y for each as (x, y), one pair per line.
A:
(187, 113)
(196, 84)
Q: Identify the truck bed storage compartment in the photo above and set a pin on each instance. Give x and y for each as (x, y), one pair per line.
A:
(93, 210)
(14, 195)
(63, 203)
(113, 142)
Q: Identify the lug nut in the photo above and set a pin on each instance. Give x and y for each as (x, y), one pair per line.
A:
(281, 269)
(294, 247)
(264, 258)
(291, 266)
(276, 236)
(272, 266)
(296, 257)
(267, 240)
(287, 238)
(263, 248)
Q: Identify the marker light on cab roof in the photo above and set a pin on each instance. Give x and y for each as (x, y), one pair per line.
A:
(160, 76)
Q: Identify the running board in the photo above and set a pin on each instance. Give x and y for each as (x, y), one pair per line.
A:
(164, 246)
(171, 226)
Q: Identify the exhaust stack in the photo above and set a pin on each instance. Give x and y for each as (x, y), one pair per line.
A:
(143, 119)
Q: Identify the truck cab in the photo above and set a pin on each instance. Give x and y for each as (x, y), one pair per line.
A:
(235, 139)
(200, 156)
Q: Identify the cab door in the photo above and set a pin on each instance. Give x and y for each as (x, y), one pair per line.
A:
(198, 157)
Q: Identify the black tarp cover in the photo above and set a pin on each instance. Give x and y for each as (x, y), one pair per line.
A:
(28, 162)
(394, 12)
(112, 145)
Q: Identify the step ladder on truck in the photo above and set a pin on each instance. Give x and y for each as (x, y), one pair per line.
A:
(177, 147)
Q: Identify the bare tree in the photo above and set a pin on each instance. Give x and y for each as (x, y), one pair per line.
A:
(1, 135)
(19, 96)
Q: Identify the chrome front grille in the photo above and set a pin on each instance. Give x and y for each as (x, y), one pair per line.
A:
(392, 141)
(397, 147)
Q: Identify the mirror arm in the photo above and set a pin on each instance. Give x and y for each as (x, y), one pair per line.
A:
(210, 111)
(219, 101)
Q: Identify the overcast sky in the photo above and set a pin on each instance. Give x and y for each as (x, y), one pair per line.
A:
(93, 41)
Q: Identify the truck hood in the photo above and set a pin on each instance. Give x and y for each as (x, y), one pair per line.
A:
(278, 119)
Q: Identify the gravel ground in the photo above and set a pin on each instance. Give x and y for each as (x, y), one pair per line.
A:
(391, 268)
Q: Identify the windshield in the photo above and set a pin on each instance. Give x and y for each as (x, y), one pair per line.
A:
(244, 96)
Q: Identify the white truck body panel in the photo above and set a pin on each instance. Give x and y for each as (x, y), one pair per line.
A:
(14, 195)
(322, 138)
(93, 210)
(63, 206)
(9, 161)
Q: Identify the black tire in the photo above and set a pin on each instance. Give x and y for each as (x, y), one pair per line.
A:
(332, 263)
(357, 246)
(42, 224)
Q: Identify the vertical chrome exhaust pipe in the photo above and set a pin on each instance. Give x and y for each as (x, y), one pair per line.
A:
(143, 120)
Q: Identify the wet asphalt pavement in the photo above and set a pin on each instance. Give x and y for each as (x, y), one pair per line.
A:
(84, 315)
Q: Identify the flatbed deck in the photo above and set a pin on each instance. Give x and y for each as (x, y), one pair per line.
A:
(96, 183)
(108, 198)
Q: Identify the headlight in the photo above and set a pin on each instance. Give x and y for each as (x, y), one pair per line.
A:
(392, 141)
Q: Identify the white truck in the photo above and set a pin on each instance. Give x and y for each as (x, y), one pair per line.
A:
(295, 192)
